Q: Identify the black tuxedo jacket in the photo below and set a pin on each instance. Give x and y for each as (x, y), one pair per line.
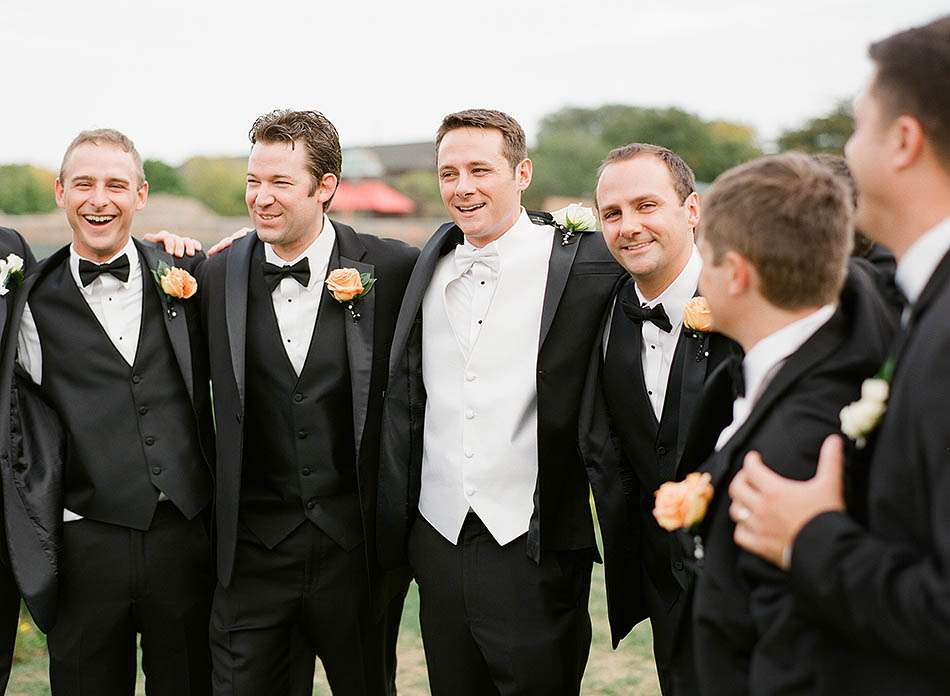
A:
(224, 304)
(886, 588)
(622, 481)
(580, 277)
(34, 442)
(750, 634)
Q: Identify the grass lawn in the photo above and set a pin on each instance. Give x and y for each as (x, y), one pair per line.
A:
(629, 671)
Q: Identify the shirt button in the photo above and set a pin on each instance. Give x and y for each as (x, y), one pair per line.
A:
(469, 413)
(469, 376)
(143, 410)
(470, 491)
(469, 453)
(156, 470)
(149, 440)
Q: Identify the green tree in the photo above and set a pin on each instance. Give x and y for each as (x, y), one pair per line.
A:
(573, 141)
(218, 182)
(422, 186)
(827, 133)
(26, 189)
(163, 178)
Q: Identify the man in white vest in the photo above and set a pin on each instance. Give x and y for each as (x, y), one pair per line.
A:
(481, 488)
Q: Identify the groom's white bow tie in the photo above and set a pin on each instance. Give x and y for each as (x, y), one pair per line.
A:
(466, 255)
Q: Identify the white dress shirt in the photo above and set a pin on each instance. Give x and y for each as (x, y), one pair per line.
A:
(480, 332)
(297, 306)
(921, 259)
(765, 359)
(116, 305)
(658, 347)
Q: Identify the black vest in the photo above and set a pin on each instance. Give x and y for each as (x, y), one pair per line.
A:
(132, 430)
(648, 445)
(299, 453)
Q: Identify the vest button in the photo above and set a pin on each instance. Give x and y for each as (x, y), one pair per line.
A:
(661, 450)
(136, 379)
(311, 504)
(298, 397)
(149, 440)
(302, 434)
(306, 471)
(143, 410)
(678, 565)
(156, 470)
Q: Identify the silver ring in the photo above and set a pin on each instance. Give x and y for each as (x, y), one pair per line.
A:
(743, 514)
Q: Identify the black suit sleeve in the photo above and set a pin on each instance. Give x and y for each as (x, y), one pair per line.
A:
(885, 592)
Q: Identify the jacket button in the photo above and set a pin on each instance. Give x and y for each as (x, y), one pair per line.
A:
(311, 504)
(136, 379)
(156, 470)
(678, 565)
(143, 410)
(661, 450)
(306, 471)
(149, 440)
(302, 434)
(298, 397)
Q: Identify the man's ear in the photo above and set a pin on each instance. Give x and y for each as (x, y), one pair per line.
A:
(742, 275)
(523, 173)
(693, 210)
(909, 141)
(326, 187)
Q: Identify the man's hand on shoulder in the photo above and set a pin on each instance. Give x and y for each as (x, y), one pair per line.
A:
(227, 241)
(174, 244)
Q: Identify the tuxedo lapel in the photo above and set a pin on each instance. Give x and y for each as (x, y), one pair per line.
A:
(359, 334)
(940, 277)
(444, 239)
(172, 313)
(817, 348)
(559, 270)
(696, 359)
(235, 305)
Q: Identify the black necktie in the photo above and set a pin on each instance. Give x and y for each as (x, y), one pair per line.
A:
(639, 313)
(118, 267)
(300, 272)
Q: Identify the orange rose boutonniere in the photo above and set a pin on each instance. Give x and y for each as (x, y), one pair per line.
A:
(176, 283)
(682, 504)
(347, 285)
(697, 316)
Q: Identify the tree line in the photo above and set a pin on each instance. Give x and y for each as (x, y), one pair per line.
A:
(570, 145)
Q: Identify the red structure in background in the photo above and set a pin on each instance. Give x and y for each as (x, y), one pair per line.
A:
(371, 196)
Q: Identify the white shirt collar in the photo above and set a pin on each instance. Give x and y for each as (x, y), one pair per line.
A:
(129, 250)
(765, 355)
(680, 291)
(318, 253)
(921, 259)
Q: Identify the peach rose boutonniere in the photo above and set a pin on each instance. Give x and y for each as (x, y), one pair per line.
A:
(681, 505)
(698, 321)
(348, 286)
(176, 283)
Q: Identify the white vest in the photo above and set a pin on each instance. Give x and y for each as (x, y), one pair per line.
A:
(480, 442)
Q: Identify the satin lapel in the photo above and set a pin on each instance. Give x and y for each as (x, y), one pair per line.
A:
(696, 359)
(235, 305)
(173, 313)
(444, 238)
(817, 348)
(359, 334)
(559, 270)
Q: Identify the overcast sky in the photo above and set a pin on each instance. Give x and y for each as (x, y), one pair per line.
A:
(185, 78)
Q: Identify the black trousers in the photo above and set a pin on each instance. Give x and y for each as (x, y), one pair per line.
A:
(116, 582)
(672, 624)
(305, 598)
(9, 615)
(493, 622)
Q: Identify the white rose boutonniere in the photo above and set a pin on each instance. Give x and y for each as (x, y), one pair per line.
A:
(572, 219)
(861, 417)
(11, 273)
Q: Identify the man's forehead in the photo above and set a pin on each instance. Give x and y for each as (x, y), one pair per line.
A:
(465, 145)
(91, 160)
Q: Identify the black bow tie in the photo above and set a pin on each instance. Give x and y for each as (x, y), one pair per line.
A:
(300, 272)
(639, 313)
(734, 368)
(118, 267)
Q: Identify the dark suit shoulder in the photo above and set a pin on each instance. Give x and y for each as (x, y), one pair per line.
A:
(389, 251)
(592, 248)
(12, 242)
